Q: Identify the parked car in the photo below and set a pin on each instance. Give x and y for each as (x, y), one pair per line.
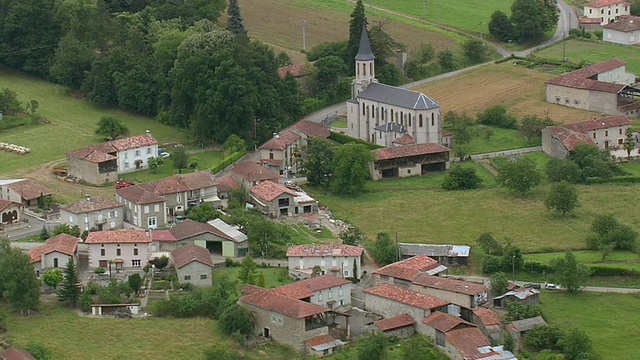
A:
(550, 286)
(533, 285)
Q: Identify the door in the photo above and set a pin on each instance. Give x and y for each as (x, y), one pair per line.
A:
(606, 144)
(266, 332)
(55, 262)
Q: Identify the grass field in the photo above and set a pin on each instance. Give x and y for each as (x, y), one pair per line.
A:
(502, 139)
(73, 122)
(617, 259)
(272, 275)
(205, 160)
(610, 320)
(594, 51)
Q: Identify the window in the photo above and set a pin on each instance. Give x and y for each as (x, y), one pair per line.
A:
(148, 151)
(179, 198)
(126, 155)
(320, 297)
(55, 262)
(112, 214)
(620, 131)
(203, 277)
(102, 252)
(71, 219)
(346, 273)
(420, 121)
(594, 135)
(364, 108)
(433, 116)
(271, 155)
(126, 165)
(340, 292)
(330, 294)
(408, 171)
(606, 133)
(146, 209)
(557, 99)
(135, 252)
(137, 153)
(135, 263)
(187, 277)
(118, 252)
(156, 208)
(152, 222)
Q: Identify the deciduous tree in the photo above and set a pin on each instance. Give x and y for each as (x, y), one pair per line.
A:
(318, 161)
(447, 60)
(500, 26)
(9, 103)
(562, 197)
(235, 318)
(247, 274)
(606, 229)
(52, 277)
(520, 175)
(563, 169)
(531, 18)
(179, 158)
(497, 115)
(499, 283)
(531, 126)
(111, 128)
(569, 273)
(203, 213)
(474, 50)
(352, 236)
(351, 168)
(384, 250)
(576, 345)
(629, 143)
(18, 281)
(461, 178)
(371, 347)
(135, 282)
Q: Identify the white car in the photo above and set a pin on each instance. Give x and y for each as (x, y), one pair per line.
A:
(165, 154)
(551, 286)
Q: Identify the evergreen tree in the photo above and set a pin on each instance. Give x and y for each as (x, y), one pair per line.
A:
(70, 289)
(44, 234)
(260, 279)
(357, 22)
(247, 273)
(355, 269)
(234, 22)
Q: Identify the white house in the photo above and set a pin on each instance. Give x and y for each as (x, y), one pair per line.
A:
(324, 290)
(193, 264)
(125, 249)
(607, 11)
(93, 213)
(335, 259)
(55, 252)
(625, 31)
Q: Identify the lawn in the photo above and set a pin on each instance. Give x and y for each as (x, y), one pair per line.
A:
(610, 320)
(502, 139)
(273, 276)
(584, 256)
(578, 50)
(71, 336)
(73, 122)
(205, 160)
(342, 124)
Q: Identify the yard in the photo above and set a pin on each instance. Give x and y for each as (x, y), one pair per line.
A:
(273, 276)
(610, 320)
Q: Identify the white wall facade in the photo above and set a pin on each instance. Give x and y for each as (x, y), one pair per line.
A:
(340, 266)
(127, 158)
(195, 273)
(333, 297)
(609, 137)
(618, 75)
(109, 219)
(127, 253)
(621, 37)
(609, 14)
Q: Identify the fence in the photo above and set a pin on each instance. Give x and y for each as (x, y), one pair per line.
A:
(501, 153)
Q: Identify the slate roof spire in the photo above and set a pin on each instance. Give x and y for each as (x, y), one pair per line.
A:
(364, 51)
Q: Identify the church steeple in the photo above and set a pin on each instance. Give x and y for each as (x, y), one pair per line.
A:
(365, 68)
(364, 51)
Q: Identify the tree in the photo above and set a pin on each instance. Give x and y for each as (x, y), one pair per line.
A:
(233, 144)
(559, 170)
(33, 105)
(420, 347)
(606, 229)
(18, 281)
(519, 311)
(111, 128)
(384, 250)
(489, 244)
(247, 272)
(500, 26)
(371, 347)
(179, 158)
(461, 178)
(260, 281)
(44, 234)
(235, 318)
(154, 163)
(135, 282)
(499, 283)
(70, 288)
(356, 24)
(562, 197)
(576, 345)
(474, 50)
(531, 126)
(569, 273)
(9, 103)
(351, 168)
(629, 144)
(234, 22)
(52, 277)
(203, 213)
(65, 228)
(447, 60)
(531, 19)
(543, 337)
(352, 236)
(497, 115)
(327, 75)
(318, 161)
(355, 269)
(520, 175)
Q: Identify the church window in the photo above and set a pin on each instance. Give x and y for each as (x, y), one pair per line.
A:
(432, 119)
(373, 110)
(420, 120)
(363, 109)
(383, 110)
(358, 70)
(401, 117)
(364, 69)
(391, 114)
(371, 69)
(409, 119)
(380, 134)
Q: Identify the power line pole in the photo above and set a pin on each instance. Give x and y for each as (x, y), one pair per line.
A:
(423, 9)
(304, 35)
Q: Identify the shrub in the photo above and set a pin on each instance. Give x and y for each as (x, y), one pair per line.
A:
(344, 139)
(228, 161)
(497, 115)
(461, 178)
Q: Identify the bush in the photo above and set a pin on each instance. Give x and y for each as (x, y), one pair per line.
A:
(344, 139)
(497, 115)
(228, 161)
(461, 178)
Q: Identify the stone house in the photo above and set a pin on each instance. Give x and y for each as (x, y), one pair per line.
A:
(162, 241)
(606, 11)
(26, 192)
(124, 249)
(444, 254)
(157, 204)
(486, 320)
(528, 296)
(9, 213)
(93, 213)
(334, 259)
(625, 31)
(280, 153)
(225, 185)
(101, 163)
(607, 133)
(401, 326)
(404, 271)
(216, 236)
(409, 160)
(248, 174)
(324, 290)
(55, 252)
(277, 200)
(602, 87)
(193, 264)
(463, 293)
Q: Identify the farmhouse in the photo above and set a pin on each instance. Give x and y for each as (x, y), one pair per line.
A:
(101, 163)
(55, 252)
(602, 87)
(625, 31)
(93, 213)
(487, 321)
(444, 254)
(9, 213)
(409, 160)
(280, 153)
(463, 293)
(404, 271)
(248, 174)
(216, 236)
(126, 249)
(335, 259)
(26, 192)
(381, 113)
(324, 290)
(606, 11)
(276, 200)
(607, 133)
(193, 264)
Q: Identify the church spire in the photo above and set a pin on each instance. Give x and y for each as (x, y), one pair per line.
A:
(364, 52)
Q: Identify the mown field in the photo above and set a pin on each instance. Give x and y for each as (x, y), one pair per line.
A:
(617, 259)
(610, 319)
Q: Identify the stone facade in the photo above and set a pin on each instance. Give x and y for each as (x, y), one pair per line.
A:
(195, 273)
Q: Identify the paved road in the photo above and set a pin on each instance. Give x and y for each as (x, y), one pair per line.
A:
(487, 281)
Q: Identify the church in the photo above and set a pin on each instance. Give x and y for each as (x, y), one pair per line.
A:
(387, 115)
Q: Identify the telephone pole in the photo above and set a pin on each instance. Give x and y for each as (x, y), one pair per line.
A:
(304, 35)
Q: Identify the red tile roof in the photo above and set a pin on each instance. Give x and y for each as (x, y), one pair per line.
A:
(269, 190)
(97, 153)
(324, 250)
(409, 150)
(405, 296)
(154, 191)
(488, 317)
(443, 283)
(247, 289)
(626, 23)
(319, 340)
(6, 203)
(311, 128)
(281, 141)
(467, 341)
(117, 237)
(29, 189)
(189, 228)
(447, 133)
(305, 288)
(92, 153)
(14, 353)
(271, 162)
(407, 269)
(162, 235)
(282, 304)
(251, 172)
(568, 137)
(227, 183)
(576, 133)
(602, 3)
(188, 253)
(394, 322)
(591, 20)
(405, 139)
(581, 78)
(445, 322)
(133, 142)
(95, 203)
(62, 243)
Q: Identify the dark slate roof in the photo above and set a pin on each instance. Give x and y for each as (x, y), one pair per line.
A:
(391, 127)
(392, 95)
(364, 52)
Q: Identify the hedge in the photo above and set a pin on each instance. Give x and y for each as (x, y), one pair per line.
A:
(228, 161)
(344, 139)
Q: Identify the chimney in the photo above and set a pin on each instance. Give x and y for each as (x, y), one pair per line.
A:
(87, 197)
(147, 132)
(276, 136)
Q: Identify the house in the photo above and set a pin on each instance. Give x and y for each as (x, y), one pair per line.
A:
(486, 320)
(307, 128)
(9, 212)
(625, 31)
(527, 296)
(193, 264)
(277, 200)
(389, 301)
(607, 11)
(225, 185)
(382, 113)
(162, 241)
(126, 249)
(285, 320)
(444, 254)
(461, 340)
(216, 236)
(157, 204)
(280, 153)
(324, 290)
(248, 174)
(409, 160)
(401, 326)
(334, 259)
(463, 293)
(101, 163)
(404, 271)
(14, 353)
(55, 252)
(322, 345)
(517, 329)
(26, 192)
(602, 87)
(606, 133)
(93, 213)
